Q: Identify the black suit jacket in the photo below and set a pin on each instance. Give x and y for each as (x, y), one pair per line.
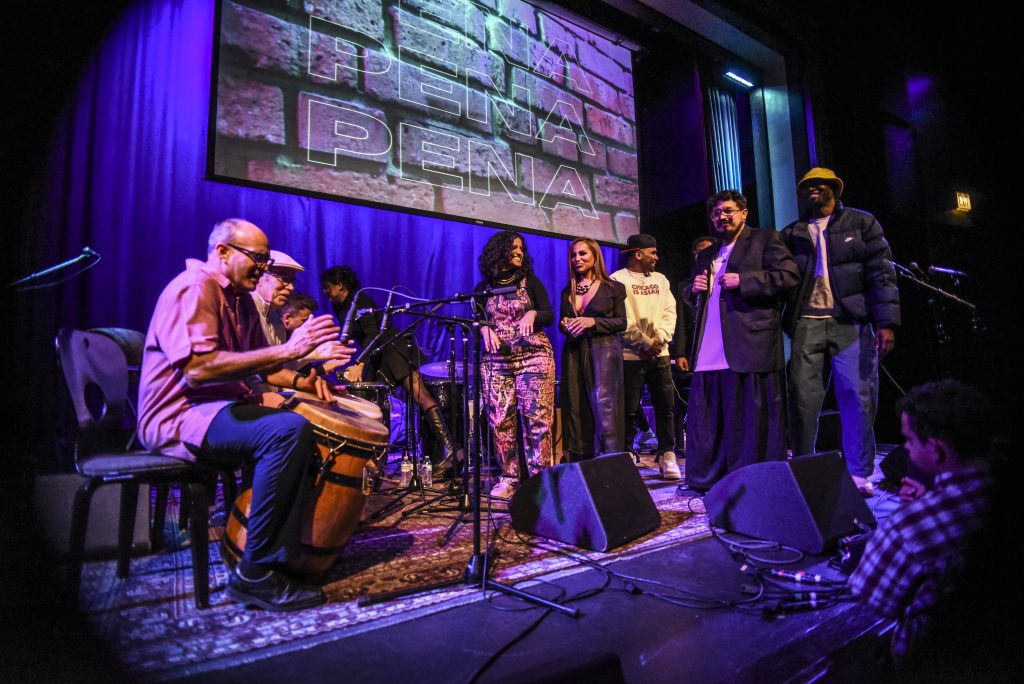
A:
(751, 325)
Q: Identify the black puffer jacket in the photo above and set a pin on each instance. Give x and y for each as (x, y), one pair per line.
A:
(859, 267)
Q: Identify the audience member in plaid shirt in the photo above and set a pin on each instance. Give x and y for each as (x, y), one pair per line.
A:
(912, 561)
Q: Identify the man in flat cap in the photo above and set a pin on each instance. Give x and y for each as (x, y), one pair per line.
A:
(842, 315)
(650, 322)
(272, 291)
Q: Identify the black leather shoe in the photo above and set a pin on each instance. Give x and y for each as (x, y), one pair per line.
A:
(273, 592)
(688, 490)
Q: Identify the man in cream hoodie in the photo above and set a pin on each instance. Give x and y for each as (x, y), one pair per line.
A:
(650, 322)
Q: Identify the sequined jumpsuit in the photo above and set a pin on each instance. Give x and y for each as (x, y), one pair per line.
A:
(519, 377)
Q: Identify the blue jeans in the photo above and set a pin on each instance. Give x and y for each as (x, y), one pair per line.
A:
(850, 349)
(278, 445)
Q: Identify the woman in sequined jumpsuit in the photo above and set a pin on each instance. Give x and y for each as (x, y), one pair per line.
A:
(518, 368)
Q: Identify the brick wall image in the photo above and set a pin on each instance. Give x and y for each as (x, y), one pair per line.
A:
(488, 110)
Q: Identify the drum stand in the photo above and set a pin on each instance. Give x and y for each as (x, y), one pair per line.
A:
(477, 567)
(410, 447)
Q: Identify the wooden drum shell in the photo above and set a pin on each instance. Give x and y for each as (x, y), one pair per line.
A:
(345, 441)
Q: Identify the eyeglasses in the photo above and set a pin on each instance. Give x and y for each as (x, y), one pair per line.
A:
(259, 258)
(727, 213)
(284, 279)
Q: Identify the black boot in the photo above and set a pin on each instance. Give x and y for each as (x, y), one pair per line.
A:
(440, 431)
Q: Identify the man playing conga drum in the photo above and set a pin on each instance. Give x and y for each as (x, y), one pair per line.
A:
(204, 342)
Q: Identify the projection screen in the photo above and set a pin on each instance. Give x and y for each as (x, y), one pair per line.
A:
(492, 112)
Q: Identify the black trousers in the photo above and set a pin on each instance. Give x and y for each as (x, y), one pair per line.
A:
(656, 374)
(733, 420)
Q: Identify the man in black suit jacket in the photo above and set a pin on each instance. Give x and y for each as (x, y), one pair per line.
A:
(737, 411)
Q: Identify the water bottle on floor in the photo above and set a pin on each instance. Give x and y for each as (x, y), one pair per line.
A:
(426, 472)
(405, 471)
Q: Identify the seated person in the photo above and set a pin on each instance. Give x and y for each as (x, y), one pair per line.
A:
(296, 310)
(204, 343)
(396, 362)
(914, 559)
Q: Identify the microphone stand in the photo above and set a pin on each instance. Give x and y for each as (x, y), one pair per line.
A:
(937, 299)
(476, 573)
(458, 490)
(458, 486)
(907, 274)
(374, 347)
(87, 253)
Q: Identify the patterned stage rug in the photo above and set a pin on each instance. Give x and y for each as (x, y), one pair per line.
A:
(152, 625)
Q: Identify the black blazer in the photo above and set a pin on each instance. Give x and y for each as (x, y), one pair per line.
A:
(751, 325)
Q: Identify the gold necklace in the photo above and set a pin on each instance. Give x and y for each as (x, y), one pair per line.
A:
(642, 278)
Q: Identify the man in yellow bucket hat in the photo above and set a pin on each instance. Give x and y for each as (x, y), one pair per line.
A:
(842, 314)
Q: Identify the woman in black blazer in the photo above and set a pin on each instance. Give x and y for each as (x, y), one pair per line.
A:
(593, 316)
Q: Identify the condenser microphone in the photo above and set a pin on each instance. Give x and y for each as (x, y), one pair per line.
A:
(89, 251)
(347, 325)
(387, 313)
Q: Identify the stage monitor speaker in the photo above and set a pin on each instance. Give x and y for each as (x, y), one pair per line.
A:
(807, 502)
(597, 504)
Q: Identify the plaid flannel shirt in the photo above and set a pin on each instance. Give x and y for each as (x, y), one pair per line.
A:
(911, 561)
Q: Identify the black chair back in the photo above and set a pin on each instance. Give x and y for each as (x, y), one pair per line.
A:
(96, 372)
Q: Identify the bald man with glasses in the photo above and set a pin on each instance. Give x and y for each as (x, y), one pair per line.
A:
(204, 347)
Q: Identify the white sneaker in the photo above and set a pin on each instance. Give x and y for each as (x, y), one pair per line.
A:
(669, 467)
(503, 489)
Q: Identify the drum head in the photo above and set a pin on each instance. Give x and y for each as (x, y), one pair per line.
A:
(438, 372)
(340, 420)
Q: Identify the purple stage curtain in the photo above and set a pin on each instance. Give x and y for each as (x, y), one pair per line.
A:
(128, 180)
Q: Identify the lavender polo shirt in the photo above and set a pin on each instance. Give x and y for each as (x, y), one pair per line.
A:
(198, 312)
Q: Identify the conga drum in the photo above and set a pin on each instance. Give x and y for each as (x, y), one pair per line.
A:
(357, 404)
(346, 441)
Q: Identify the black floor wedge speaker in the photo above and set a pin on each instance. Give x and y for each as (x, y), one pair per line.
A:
(807, 502)
(597, 504)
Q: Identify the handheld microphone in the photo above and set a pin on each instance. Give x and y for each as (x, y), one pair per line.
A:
(495, 291)
(779, 607)
(946, 271)
(799, 576)
(695, 335)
